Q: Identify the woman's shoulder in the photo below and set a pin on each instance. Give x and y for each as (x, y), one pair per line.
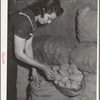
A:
(22, 17)
(30, 15)
(15, 17)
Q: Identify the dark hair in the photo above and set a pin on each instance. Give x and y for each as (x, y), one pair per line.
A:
(46, 6)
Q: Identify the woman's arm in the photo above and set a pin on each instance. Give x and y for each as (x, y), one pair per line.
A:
(19, 44)
(29, 52)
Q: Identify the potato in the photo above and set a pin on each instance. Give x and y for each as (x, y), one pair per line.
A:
(64, 66)
(61, 84)
(76, 71)
(64, 79)
(78, 82)
(58, 77)
(68, 84)
(55, 68)
(73, 66)
(76, 77)
(67, 73)
(55, 72)
(74, 85)
(69, 70)
(63, 72)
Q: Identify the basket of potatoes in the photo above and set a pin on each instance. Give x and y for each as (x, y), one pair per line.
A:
(69, 80)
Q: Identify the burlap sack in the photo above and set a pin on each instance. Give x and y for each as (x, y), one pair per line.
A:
(90, 90)
(87, 25)
(85, 57)
(52, 50)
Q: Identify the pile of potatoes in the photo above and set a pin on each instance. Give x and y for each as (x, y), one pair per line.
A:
(67, 76)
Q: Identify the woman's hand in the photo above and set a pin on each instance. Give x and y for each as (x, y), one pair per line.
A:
(48, 72)
(34, 76)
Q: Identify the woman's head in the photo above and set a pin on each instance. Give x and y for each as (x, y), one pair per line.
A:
(52, 6)
(46, 9)
(46, 19)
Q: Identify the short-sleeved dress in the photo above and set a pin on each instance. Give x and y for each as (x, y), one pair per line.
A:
(22, 24)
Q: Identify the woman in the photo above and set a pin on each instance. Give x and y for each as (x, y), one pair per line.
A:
(21, 29)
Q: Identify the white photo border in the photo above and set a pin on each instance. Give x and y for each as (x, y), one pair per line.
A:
(4, 22)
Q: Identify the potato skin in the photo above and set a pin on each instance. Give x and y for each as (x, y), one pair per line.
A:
(61, 84)
(58, 77)
(76, 77)
(55, 68)
(74, 85)
(76, 71)
(64, 79)
(68, 84)
(55, 72)
(63, 72)
(64, 66)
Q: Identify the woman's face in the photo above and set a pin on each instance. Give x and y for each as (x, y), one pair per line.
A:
(47, 19)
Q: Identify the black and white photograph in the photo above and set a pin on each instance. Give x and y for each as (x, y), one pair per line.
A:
(49, 50)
